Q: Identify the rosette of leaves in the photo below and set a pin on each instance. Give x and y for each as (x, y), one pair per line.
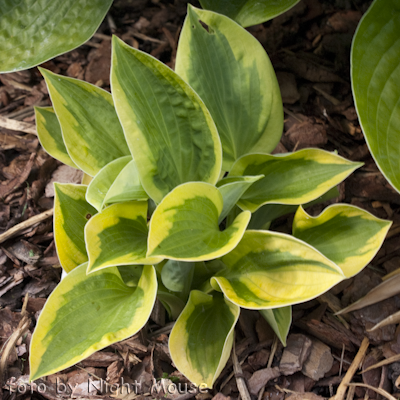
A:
(182, 188)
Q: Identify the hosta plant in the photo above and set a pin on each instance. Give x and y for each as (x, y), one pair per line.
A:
(177, 170)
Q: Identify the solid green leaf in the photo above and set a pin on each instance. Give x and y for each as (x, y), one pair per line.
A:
(101, 183)
(279, 320)
(90, 127)
(185, 225)
(86, 313)
(345, 234)
(375, 72)
(271, 270)
(71, 213)
(33, 31)
(172, 303)
(233, 75)
(50, 136)
(127, 186)
(201, 339)
(177, 276)
(249, 12)
(292, 179)
(118, 236)
(232, 189)
(169, 130)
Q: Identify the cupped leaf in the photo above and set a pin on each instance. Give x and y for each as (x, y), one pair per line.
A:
(233, 75)
(127, 186)
(201, 339)
(177, 276)
(71, 213)
(279, 320)
(296, 178)
(33, 31)
(169, 130)
(185, 225)
(375, 72)
(249, 12)
(76, 321)
(101, 183)
(118, 236)
(232, 189)
(50, 136)
(271, 270)
(345, 234)
(90, 127)
(172, 303)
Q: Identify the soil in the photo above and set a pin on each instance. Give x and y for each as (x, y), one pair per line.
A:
(309, 47)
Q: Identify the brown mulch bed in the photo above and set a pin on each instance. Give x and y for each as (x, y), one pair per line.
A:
(309, 47)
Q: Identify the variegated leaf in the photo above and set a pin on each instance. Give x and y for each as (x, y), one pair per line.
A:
(345, 234)
(86, 313)
(201, 339)
(185, 225)
(279, 320)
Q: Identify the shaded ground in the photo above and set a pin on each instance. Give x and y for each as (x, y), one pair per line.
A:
(309, 48)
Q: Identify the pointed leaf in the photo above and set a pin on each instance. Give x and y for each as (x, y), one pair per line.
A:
(375, 72)
(185, 225)
(249, 12)
(127, 186)
(169, 131)
(90, 127)
(118, 236)
(86, 313)
(50, 136)
(279, 320)
(296, 178)
(32, 32)
(345, 234)
(232, 189)
(271, 269)
(71, 213)
(101, 183)
(233, 75)
(201, 339)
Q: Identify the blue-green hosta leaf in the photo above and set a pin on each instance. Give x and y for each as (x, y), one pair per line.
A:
(101, 183)
(279, 320)
(375, 72)
(270, 269)
(127, 186)
(249, 12)
(33, 31)
(345, 234)
(201, 339)
(71, 213)
(90, 127)
(50, 136)
(169, 130)
(296, 178)
(118, 236)
(86, 313)
(233, 75)
(177, 276)
(185, 225)
(172, 303)
(232, 189)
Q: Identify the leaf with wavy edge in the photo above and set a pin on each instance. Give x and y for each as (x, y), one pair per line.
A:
(345, 234)
(201, 339)
(169, 130)
(76, 321)
(249, 12)
(270, 270)
(184, 226)
(233, 75)
(71, 213)
(50, 136)
(90, 127)
(296, 178)
(118, 236)
(375, 73)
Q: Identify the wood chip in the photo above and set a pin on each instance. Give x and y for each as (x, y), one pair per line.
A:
(15, 125)
(261, 377)
(295, 354)
(319, 362)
